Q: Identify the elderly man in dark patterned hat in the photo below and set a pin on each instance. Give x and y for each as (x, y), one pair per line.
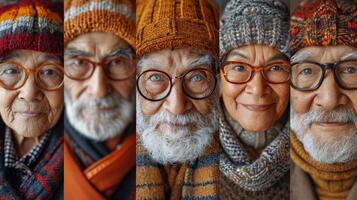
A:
(324, 100)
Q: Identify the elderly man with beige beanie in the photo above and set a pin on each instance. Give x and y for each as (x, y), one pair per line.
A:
(99, 66)
(177, 147)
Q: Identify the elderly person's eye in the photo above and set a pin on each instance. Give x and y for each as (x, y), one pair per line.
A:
(197, 77)
(115, 62)
(239, 68)
(77, 63)
(348, 70)
(155, 78)
(275, 68)
(306, 71)
(48, 72)
(10, 71)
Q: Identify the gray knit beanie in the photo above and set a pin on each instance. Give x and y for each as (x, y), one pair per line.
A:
(246, 22)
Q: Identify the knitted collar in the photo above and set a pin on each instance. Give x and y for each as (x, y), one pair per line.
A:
(331, 180)
(191, 180)
(253, 175)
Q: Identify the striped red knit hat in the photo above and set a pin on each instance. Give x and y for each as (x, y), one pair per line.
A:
(33, 25)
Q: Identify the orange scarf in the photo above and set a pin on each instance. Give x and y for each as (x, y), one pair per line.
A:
(99, 180)
(332, 181)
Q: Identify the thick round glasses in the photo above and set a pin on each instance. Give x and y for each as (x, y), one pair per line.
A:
(240, 72)
(156, 85)
(115, 69)
(48, 76)
(308, 76)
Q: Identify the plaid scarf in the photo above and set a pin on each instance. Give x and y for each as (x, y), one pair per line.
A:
(253, 175)
(189, 181)
(46, 177)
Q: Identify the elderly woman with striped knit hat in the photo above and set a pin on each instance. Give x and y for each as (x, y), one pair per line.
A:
(31, 100)
(253, 125)
(99, 66)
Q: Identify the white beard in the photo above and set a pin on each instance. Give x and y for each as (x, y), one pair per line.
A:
(100, 126)
(182, 145)
(325, 151)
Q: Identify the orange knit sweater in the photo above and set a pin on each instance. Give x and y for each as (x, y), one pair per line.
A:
(332, 181)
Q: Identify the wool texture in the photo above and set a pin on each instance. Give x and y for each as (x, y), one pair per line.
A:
(229, 190)
(248, 22)
(332, 181)
(163, 24)
(323, 23)
(46, 180)
(110, 16)
(32, 25)
(253, 174)
(193, 180)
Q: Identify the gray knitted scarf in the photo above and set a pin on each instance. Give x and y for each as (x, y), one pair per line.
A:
(253, 175)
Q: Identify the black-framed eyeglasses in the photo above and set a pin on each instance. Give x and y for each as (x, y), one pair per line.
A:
(308, 76)
(119, 68)
(48, 76)
(156, 85)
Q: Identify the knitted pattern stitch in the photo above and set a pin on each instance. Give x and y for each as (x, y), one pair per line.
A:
(249, 174)
(246, 22)
(228, 190)
(110, 16)
(333, 181)
(323, 23)
(176, 24)
(32, 25)
(194, 180)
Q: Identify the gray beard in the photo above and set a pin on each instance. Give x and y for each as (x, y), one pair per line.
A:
(100, 126)
(183, 145)
(342, 150)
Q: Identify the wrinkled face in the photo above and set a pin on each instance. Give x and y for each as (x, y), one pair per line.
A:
(257, 104)
(98, 106)
(325, 119)
(177, 128)
(30, 110)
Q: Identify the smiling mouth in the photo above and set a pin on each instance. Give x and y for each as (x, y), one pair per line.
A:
(257, 108)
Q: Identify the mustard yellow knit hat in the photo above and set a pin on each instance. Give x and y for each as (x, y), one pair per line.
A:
(176, 24)
(111, 16)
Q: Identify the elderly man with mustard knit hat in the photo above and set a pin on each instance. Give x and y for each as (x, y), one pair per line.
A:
(324, 100)
(99, 65)
(177, 148)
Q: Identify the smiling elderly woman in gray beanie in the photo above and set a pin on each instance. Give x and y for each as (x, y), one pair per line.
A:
(255, 96)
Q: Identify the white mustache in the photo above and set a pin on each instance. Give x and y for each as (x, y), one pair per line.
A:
(184, 119)
(108, 101)
(339, 115)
